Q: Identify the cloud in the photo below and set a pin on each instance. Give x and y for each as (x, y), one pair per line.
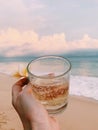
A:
(85, 43)
(14, 42)
(34, 4)
(19, 6)
(21, 14)
(12, 7)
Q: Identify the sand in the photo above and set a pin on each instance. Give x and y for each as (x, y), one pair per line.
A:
(81, 113)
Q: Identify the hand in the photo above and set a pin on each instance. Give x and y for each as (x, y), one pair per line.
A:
(32, 113)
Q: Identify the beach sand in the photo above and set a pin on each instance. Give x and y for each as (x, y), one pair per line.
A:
(81, 113)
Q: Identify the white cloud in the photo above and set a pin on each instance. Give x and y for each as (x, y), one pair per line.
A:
(35, 4)
(12, 6)
(15, 43)
(85, 43)
(21, 14)
(19, 6)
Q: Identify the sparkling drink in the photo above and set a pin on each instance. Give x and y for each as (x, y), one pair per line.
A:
(50, 86)
(53, 95)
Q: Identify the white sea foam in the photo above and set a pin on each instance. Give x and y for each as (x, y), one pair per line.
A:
(84, 86)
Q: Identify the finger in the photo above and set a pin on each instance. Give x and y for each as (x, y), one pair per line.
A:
(17, 87)
(22, 82)
(28, 89)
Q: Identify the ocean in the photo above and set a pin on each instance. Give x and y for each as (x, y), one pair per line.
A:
(84, 71)
(84, 63)
(81, 65)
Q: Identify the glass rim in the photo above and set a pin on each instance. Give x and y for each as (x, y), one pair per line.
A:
(50, 56)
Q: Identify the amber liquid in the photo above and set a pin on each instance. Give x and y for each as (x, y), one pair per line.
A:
(54, 96)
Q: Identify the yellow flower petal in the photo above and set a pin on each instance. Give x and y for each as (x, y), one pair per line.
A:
(17, 75)
(25, 72)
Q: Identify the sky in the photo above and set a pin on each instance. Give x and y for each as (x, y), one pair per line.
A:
(47, 26)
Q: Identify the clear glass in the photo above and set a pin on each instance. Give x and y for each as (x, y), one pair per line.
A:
(49, 77)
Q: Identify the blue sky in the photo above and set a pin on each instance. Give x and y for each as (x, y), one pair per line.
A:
(66, 25)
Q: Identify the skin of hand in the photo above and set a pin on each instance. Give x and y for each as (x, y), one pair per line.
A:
(32, 113)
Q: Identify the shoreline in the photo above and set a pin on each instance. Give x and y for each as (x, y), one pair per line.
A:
(84, 86)
(83, 98)
(80, 114)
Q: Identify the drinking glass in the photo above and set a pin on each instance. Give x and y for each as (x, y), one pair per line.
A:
(49, 78)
